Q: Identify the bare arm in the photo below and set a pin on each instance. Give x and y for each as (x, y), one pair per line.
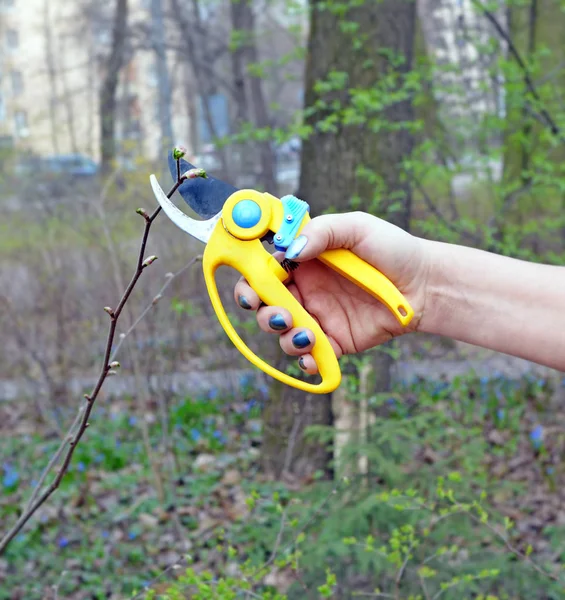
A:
(496, 302)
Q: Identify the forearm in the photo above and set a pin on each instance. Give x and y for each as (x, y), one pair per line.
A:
(496, 302)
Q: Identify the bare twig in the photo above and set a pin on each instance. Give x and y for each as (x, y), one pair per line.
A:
(517, 552)
(297, 421)
(521, 63)
(277, 542)
(55, 458)
(170, 278)
(90, 399)
(401, 571)
(439, 215)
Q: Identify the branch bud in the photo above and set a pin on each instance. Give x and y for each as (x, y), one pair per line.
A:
(179, 152)
(87, 397)
(109, 310)
(115, 364)
(195, 174)
(156, 299)
(143, 213)
(149, 261)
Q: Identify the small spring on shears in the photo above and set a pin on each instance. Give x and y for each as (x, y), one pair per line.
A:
(289, 265)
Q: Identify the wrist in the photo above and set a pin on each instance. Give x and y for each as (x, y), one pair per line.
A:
(440, 286)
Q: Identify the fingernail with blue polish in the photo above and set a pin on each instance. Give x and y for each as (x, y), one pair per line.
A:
(296, 247)
(301, 363)
(301, 340)
(243, 302)
(277, 323)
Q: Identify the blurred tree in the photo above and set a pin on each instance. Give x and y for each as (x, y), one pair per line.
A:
(245, 53)
(108, 102)
(358, 116)
(164, 81)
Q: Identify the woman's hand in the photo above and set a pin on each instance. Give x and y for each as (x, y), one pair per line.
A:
(352, 319)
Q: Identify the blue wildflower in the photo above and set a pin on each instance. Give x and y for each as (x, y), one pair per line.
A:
(132, 535)
(219, 435)
(99, 458)
(550, 470)
(132, 420)
(536, 436)
(80, 467)
(500, 414)
(195, 435)
(391, 401)
(212, 393)
(118, 443)
(251, 404)
(105, 534)
(11, 477)
(245, 379)
(63, 542)
(264, 390)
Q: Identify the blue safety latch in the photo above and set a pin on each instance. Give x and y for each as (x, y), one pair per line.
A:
(293, 215)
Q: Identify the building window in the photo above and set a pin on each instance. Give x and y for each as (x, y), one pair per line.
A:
(12, 39)
(17, 83)
(20, 121)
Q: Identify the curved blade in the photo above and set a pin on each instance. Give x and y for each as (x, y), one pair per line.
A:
(207, 196)
(201, 230)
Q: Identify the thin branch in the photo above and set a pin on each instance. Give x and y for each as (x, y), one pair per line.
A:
(521, 63)
(156, 298)
(88, 406)
(438, 214)
(401, 571)
(55, 458)
(517, 552)
(277, 542)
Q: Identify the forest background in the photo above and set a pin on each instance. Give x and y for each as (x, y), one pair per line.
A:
(141, 456)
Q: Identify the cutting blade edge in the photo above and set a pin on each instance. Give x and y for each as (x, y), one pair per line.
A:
(206, 196)
(201, 230)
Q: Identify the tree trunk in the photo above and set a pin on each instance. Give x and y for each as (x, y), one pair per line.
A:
(52, 73)
(331, 161)
(164, 80)
(246, 54)
(108, 93)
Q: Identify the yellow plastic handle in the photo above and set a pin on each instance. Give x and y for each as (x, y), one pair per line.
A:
(240, 247)
(365, 276)
(265, 275)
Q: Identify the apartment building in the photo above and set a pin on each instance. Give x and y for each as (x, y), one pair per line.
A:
(50, 74)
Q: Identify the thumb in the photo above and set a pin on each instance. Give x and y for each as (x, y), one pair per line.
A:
(347, 230)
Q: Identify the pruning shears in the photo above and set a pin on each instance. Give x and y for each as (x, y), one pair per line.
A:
(236, 223)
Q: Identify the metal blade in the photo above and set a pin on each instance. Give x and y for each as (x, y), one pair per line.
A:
(201, 230)
(207, 196)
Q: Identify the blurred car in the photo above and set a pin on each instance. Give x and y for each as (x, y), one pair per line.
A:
(73, 165)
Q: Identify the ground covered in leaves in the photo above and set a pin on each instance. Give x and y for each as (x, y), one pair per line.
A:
(151, 494)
